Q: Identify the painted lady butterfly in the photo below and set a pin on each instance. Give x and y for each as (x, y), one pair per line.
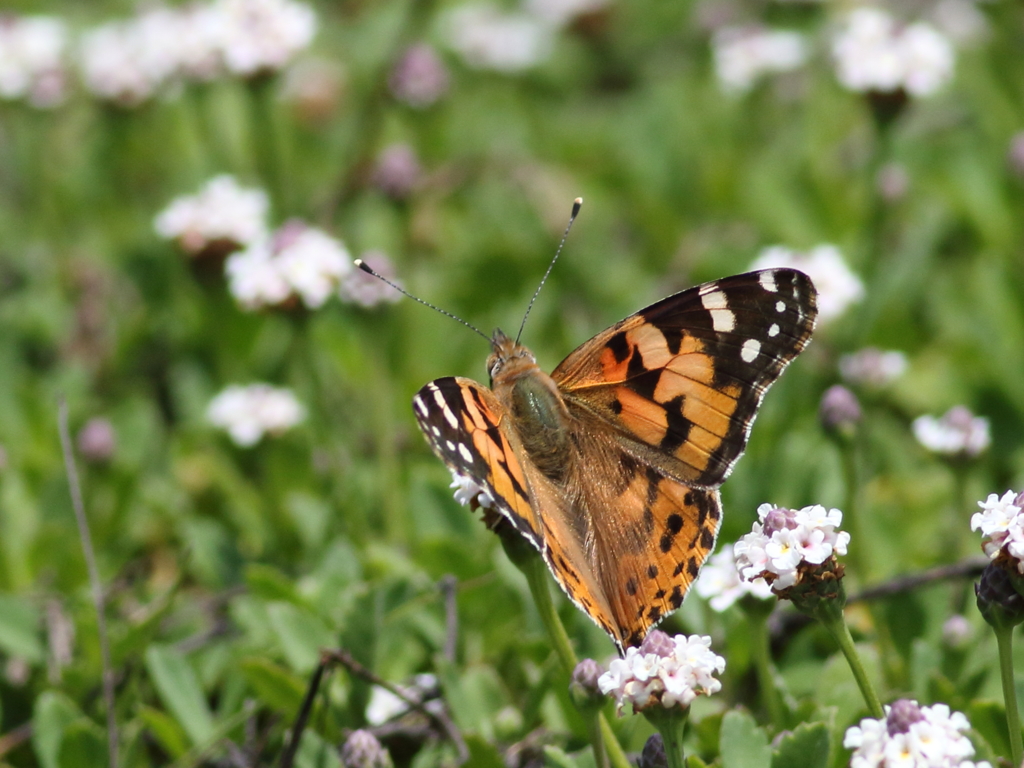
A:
(610, 466)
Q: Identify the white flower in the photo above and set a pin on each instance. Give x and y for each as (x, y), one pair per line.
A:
(263, 35)
(719, 581)
(1002, 526)
(785, 539)
(311, 261)
(467, 490)
(912, 736)
(874, 53)
(744, 54)
(957, 432)
(837, 286)
(663, 670)
(201, 41)
(487, 38)
(129, 61)
(222, 211)
(247, 413)
(32, 59)
(298, 261)
(872, 367)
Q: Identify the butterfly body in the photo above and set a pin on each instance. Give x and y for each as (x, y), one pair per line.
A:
(610, 465)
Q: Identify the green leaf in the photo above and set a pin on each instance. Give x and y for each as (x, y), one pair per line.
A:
(271, 584)
(692, 761)
(807, 746)
(84, 745)
(19, 629)
(556, 758)
(743, 744)
(274, 685)
(179, 690)
(989, 719)
(165, 729)
(52, 714)
(300, 634)
(482, 754)
(314, 752)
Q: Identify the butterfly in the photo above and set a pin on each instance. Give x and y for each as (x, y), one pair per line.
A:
(611, 465)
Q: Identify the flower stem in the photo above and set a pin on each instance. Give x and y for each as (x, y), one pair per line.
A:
(841, 632)
(1004, 638)
(669, 722)
(765, 674)
(603, 738)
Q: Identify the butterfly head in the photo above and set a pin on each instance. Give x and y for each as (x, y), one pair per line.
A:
(507, 354)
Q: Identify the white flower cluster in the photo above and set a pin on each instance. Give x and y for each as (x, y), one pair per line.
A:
(837, 286)
(247, 413)
(720, 584)
(872, 367)
(1002, 526)
(298, 261)
(784, 539)
(957, 432)
(875, 53)
(670, 671)
(32, 50)
(470, 493)
(130, 61)
(222, 212)
(912, 735)
(743, 54)
(487, 37)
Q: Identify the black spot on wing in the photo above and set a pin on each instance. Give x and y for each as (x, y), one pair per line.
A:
(619, 346)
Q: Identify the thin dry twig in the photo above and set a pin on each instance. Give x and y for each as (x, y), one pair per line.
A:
(288, 756)
(969, 568)
(440, 718)
(15, 738)
(98, 597)
(448, 585)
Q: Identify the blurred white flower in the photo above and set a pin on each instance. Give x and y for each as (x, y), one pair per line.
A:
(837, 286)
(665, 671)
(872, 367)
(127, 62)
(201, 40)
(248, 413)
(558, 13)
(785, 539)
(1002, 526)
(720, 584)
(469, 492)
(957, 432)
(960, 20)
(419, 78)
(875, 53)
(32, 52)
(911, 736)
(397, 171)
(263, 35)
(222, 213)
(488, 38)
(364, 289)
(298, 261)
(743, 54)
(385, 705)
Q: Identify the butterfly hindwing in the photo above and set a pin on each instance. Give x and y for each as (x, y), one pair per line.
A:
(686, 375)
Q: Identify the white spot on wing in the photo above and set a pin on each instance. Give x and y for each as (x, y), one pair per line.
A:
(465, 452)
(750, 350)
(767, 280)
(448, 414)
(421, 406)
(774, 330)
(780, 306)
(707, 288)
(451, 445)
(722, 318)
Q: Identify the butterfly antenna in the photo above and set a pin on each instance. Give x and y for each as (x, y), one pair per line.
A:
(368, 270)
(572, 217)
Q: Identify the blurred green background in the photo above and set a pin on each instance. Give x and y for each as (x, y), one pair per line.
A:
(227, 568)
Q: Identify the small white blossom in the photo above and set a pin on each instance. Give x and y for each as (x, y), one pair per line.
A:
(912, 736)
(32, 52)
(957, 432)
(263, 35)
(247, 413)
(487, 38)
(468, 491)
(222, 211)
(875, 53)
(201, 42)
(1002, 526)
(784, 539)
(663, 670)
(872, 367)
(743, 54)
(837, 286)
(720, 584)
(298, 262)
